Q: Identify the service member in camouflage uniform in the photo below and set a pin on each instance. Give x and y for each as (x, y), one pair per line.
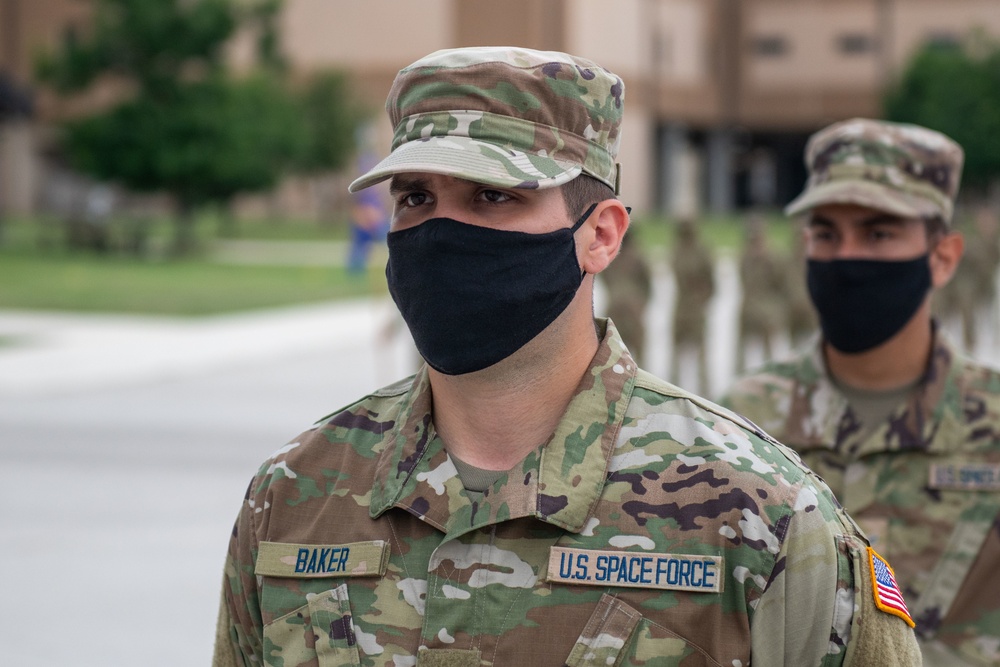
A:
(629, 284)
(694, 278)
(531, 498)
(801, 315)
(970, 296)
(763, 302)
(904, 429)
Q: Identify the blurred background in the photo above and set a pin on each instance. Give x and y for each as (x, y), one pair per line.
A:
(185, 282)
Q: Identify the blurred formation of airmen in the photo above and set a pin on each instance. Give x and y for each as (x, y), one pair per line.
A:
(988, 231)
(901, 424)
(692, 265)
(629, 282)
(971, 295)
(762, 280)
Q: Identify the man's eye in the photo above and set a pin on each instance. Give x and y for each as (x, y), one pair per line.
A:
(494, 196)
(412, 199)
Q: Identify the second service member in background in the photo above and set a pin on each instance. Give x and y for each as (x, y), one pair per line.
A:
(531, 498)
(902, 426)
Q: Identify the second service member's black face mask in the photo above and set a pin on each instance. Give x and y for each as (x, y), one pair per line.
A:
(472, 296)
(862, 303)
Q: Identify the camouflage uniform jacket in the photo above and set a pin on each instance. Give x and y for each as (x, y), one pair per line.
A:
(925, 484)
(653, 528)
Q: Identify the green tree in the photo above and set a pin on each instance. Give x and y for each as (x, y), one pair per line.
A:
(956, 90)
(188, 126)
(331, 117)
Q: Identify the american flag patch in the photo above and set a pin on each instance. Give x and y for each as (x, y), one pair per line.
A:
(888, 597)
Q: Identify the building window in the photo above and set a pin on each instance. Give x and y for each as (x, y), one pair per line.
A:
(855, 43)
(769, 46)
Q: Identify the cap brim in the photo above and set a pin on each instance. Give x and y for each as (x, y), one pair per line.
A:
(863, 193)
(472, 160)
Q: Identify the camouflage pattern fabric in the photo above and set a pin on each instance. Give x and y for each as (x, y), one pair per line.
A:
(504, 116)
(653, 528)
(924, 484)
(902, 169)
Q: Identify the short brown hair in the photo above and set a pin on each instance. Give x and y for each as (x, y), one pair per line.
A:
(583, 191)
(935, 226)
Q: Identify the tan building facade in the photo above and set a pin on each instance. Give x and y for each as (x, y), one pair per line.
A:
(26, 28)
(721, 93)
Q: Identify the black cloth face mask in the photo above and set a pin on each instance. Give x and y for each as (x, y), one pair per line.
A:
(862, 303)
(472, 296)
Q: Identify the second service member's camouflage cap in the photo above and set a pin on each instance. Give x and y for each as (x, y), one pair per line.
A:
(504, 116)
(902, 169)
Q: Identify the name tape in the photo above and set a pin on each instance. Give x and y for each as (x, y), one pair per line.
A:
(305, 561)
(670, 572)
(965, 476)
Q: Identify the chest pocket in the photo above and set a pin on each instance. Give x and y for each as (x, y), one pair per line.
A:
(617, 635)
(606, 634)
(322, 630)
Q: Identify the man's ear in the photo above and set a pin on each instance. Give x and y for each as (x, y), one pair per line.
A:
(945, 256)
(605, 229)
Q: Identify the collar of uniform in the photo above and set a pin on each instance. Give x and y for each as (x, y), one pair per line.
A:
(938, 406)
(816, 407)
(912, 426)
(560, 482)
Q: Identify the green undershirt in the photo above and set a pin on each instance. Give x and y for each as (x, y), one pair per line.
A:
(872, 408)
(475, 479)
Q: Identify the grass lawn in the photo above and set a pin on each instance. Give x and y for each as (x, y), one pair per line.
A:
(51, 277)
(188, 287)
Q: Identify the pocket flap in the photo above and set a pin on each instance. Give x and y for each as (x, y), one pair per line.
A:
(606, 634)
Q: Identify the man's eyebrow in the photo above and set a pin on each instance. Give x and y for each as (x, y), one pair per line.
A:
(883, 219)
(875, 220)
(400, 183)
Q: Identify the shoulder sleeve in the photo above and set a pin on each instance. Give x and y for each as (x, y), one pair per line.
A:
(240, 606)
(879, 635)
(813, 610)
(765, 398)
(224, 654)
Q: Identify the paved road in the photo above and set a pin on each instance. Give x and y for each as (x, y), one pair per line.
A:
(126, 444)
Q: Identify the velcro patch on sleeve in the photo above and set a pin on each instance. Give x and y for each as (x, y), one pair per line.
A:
(888, 597)
(306, 561)
(669, 572)
(965, 476)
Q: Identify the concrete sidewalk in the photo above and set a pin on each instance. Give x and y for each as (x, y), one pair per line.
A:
(49, 352)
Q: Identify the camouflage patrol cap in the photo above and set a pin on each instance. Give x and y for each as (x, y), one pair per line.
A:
(902, 169)
(504, 116)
